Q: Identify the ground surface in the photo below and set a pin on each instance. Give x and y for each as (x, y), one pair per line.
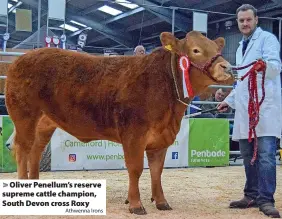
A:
(192, 193)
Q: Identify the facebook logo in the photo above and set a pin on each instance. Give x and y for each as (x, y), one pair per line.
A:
(174, 155)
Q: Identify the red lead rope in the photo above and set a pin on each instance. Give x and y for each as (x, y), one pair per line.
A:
(254, 104)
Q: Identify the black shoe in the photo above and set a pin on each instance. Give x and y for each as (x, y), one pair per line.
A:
(269, 210)
(245, 202)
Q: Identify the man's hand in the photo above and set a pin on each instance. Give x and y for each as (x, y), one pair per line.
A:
(259, 66)
(222, 107)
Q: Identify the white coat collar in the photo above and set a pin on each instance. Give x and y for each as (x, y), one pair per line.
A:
(256, 34)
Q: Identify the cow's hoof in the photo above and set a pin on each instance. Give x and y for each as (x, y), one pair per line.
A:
(138, 211)
(126, 201)
(163, 207)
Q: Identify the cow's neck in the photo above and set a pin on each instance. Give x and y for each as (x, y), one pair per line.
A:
(199, 85)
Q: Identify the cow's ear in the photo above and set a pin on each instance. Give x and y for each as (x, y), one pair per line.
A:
(170, 42)
(220, 41)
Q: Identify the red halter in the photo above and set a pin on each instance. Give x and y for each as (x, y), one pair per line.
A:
(205, 68)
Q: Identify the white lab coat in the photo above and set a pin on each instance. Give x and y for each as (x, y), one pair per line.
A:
(263, 45)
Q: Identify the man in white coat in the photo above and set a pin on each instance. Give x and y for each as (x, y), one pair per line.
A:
(256, 44)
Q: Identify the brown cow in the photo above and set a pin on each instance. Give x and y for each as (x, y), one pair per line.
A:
(131, 100)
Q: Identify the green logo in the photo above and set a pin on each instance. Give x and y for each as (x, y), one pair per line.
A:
(7, 161)
(208, 142)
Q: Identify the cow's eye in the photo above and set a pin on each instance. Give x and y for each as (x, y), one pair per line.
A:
(196, 51)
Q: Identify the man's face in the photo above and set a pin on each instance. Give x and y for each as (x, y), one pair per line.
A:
(219, 95)
(140, 52)
(247, 22)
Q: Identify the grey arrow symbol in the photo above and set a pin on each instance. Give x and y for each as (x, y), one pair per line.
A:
(5, 184)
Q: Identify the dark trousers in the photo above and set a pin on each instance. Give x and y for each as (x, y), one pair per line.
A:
(260, 177)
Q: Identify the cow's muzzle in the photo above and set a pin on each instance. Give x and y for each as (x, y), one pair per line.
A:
(227, 69)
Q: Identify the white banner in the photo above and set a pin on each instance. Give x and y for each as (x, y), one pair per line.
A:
(3, 7)
(57, 9)
(68, 153)
(200, 22)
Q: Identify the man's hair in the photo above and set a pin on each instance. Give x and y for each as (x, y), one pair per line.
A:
(246, 7)
(224, 90)
(139, 46)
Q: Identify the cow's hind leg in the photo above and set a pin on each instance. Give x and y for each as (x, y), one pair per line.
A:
(134, 159)
(156, 163)
(43, 133)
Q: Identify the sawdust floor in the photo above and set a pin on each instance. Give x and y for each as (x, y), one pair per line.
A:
(192, 193)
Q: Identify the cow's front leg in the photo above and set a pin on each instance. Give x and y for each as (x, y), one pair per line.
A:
(134, 158)
(156, 163)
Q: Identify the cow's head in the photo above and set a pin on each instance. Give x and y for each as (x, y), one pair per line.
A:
(207, 65)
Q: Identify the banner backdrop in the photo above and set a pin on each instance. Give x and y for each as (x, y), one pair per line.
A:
(68, 153)
(208, 142)
(200, 142)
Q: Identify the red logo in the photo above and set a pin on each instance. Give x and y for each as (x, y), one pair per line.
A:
(72, 157)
